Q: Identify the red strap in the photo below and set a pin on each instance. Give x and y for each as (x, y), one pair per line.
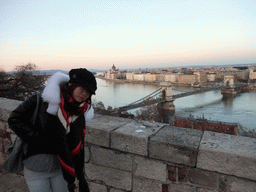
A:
(67, 168)
(77, 149)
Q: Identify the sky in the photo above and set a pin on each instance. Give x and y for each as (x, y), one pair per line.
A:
(95, 34)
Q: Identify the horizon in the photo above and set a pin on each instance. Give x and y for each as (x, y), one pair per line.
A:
(196, 66)
(144, 34)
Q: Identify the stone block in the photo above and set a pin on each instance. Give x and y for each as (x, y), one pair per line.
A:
(87, 153)
(181, 188)
(95, 187)
(6, 144)
(111, 177)
(115, 190)
(242, 186)
(98, 129)
(150, 169)
(14, 189)
(4, 114)
(3, 157)
(13, 137)
(111, 158)
(228, 154)
(9, 104)
(144, 185)
(8, 129)
(6, 107)
(12, 182)
(207, 190)
(2, 144)
(2, 126)
(176, 145)
(206, 179)
(133, 137)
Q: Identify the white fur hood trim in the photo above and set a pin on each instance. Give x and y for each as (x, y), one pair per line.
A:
(51, 94)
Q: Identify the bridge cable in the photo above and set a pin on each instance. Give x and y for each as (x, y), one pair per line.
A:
(155, 92)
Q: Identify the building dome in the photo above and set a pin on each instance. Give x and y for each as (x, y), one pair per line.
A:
(113, 68)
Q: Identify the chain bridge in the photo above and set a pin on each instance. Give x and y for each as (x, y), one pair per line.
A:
(161, 95)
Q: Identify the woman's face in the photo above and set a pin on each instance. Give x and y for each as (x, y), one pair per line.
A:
(80, 94)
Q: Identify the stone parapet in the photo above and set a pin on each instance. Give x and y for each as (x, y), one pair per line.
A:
(124, 155)
(133, 137)
(175, 145)
(228, 154)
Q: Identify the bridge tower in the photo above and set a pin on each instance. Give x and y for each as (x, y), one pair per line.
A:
(166, 108)
(229, 82)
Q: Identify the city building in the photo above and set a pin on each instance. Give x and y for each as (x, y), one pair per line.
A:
(202, 77)
(252, 75)
(243, 75)
(151, 77)
(173, 77)
(139, 77)
(191, 76)
(130, 76)
(211, 77)
(187, 79)
(114, 73)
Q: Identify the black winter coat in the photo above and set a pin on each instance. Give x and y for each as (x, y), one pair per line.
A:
(41, 137)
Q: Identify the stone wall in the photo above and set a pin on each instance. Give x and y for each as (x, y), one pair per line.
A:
(6, 135)
(124, 155)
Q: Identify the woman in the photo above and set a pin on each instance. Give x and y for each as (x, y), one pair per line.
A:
(55, 154)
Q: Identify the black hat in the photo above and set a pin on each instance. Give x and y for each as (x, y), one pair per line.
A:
(84, 78)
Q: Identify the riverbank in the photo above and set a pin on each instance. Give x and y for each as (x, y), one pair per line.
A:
(252, 86)
(173, 84)
(128, 81)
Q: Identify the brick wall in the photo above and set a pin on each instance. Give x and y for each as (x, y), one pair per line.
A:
(206, 125)
(124, 155)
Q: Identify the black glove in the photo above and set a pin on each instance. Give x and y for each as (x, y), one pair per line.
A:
(83, 185)
(71, 187)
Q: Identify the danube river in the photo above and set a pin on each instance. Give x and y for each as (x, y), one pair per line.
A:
(240, 109)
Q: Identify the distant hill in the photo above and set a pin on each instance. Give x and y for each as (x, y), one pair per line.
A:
(52, 71)
(97, 70)
(227, 65)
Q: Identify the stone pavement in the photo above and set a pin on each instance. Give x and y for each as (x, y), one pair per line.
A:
(12, 182)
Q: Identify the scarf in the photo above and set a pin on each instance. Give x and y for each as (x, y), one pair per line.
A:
(71, 134)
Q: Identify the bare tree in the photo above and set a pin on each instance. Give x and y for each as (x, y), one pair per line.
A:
(149, 111)
(25, 80)
(99, 105)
